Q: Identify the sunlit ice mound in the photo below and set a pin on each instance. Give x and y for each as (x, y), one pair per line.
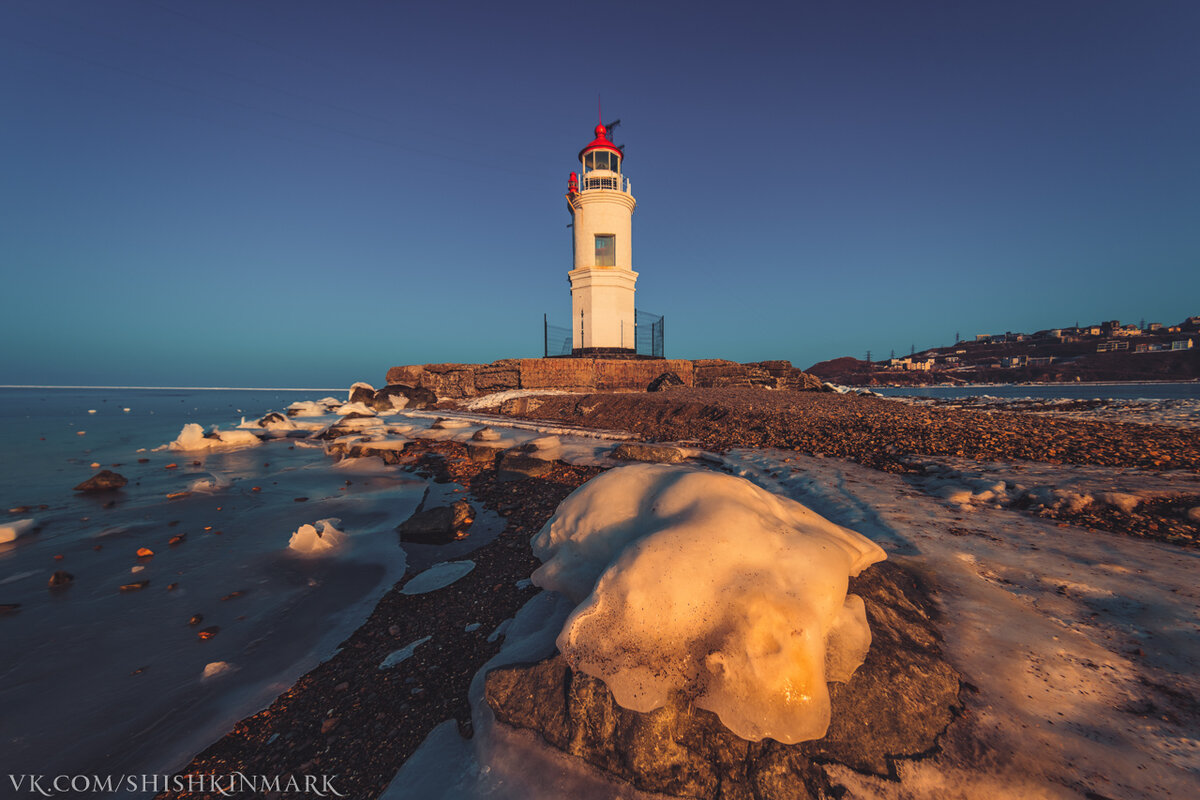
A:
(702, 586)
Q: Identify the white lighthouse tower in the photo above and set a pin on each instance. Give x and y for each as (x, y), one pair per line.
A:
(602, 278)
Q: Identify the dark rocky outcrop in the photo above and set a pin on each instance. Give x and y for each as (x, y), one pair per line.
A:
(894, 706)
(653, 453)
(664, 382)
(438, 525)
(272, 418)
(103, 481)
(418, 397)
(361, 393)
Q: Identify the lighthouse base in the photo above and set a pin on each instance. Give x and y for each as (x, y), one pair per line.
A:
(607, 352)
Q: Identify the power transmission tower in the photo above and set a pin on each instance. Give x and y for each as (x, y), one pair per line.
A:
(868, 356)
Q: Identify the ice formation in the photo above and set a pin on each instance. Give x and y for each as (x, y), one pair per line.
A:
(438, 576)
(317, 539)
(701, 585)
(15, 529)
(403, 654)
(308, 408)
(354, 408)
(193, 437)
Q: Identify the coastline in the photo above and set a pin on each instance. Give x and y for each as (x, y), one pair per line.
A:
(371, 740)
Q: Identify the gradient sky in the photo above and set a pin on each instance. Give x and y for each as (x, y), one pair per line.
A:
(306, 193)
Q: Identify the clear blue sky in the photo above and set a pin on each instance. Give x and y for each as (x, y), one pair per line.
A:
(304, 193)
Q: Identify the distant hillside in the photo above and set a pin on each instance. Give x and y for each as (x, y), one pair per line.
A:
(1107, 351)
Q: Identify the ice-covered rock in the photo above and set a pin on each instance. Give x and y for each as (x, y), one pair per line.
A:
(308, 408)
(359, 409)
(14, 529)
(193, 437)
(216, 668)
(317, 539)
(700, 584)
(360, 392)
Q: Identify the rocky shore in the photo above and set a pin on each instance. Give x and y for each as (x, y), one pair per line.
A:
(350, 718)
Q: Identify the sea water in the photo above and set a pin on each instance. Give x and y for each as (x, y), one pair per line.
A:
(1189, 390)
(99, 681)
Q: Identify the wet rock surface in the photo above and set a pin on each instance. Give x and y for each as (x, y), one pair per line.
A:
(103, 481)
(894, 706)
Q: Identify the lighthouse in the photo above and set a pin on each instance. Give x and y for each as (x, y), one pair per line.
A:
(602, 277)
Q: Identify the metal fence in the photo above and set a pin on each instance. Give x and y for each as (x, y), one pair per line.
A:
(647, 335)
(557, 338)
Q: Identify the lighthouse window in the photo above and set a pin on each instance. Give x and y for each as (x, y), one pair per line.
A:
(601, 159)
(606, 250)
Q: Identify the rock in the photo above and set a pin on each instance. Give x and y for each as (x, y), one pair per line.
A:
(177, 539)
(273, 418)
(329, 724)
(895, 706)
(485, 435)
(664, 382)
(196, 619)
(136, 586)
(361, 393)
(482, 453)
(9, 608)
(438, 525)
(103, 481)
(144, 552)
(654, 453)
(1193, 514)
(415, 397)
(61, 578)
(209, 632)
(515, 466)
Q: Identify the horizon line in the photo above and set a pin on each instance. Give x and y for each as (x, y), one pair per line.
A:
(182, 388)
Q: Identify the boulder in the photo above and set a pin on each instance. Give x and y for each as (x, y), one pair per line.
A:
(438, 525)
(361, 393)
(653, 453)
(895, 706)
(416, 398)
(482, 453)
(515, 465)
(103, 481)
(664, 382)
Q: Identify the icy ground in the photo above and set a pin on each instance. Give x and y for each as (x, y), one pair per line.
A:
(1077, 649)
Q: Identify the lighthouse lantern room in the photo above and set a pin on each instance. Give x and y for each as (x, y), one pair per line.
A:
(602, 278)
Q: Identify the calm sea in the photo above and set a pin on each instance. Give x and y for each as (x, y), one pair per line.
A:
(94, 680)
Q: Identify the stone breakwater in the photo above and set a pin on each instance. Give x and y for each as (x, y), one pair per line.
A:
(456, 381)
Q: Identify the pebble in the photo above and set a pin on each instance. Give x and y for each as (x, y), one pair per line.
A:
(136, 586)
(61, 578)
(209, 632)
